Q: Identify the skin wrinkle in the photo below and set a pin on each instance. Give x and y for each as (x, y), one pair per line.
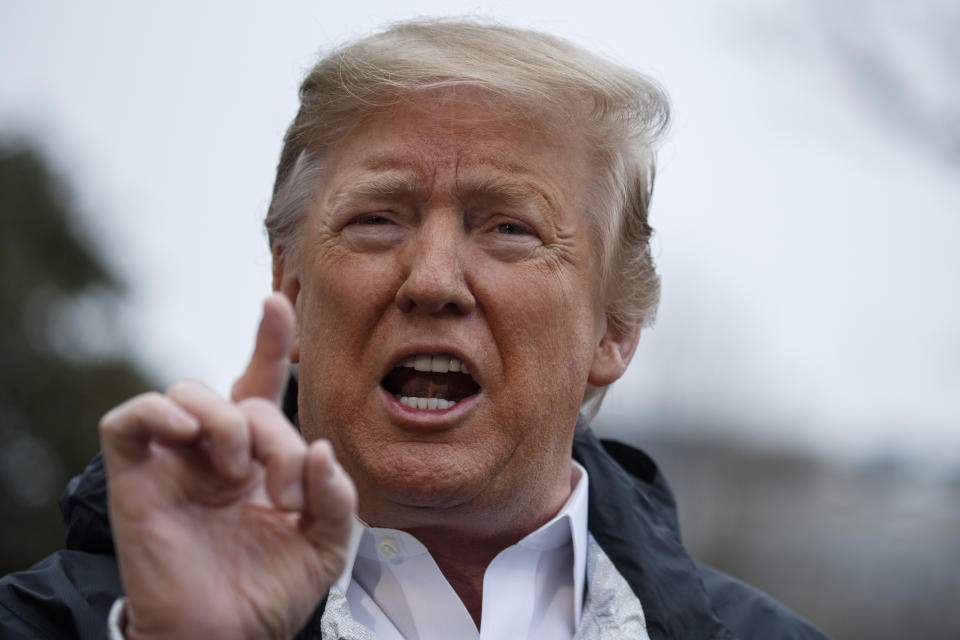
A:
(437, 268)
(405, 156)
(391, 185)
(404, 184)
(508, 193)
(380, 161)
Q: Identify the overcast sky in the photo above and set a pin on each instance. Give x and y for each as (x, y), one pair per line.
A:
(806, 236)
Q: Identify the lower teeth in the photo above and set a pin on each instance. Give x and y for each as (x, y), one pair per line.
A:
(425, 403)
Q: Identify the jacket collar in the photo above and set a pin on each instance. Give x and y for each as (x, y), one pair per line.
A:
(632, 515)
(83, 505)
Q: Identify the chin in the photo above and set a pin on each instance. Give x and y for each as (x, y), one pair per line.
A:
(420, 475)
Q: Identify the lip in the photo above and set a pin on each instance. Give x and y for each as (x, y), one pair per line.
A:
(426, 419)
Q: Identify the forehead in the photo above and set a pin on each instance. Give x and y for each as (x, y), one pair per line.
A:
(453, 137)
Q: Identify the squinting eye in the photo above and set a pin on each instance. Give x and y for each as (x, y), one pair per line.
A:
(509, 228)
(373, 219)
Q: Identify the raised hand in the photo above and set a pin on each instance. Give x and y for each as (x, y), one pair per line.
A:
(226, 523)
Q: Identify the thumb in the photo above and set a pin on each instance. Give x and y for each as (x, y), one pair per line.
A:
(266, 374)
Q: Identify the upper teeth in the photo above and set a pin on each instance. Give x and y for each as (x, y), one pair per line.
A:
(440, 364)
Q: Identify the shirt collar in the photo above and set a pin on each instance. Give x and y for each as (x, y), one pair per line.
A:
(568, 525)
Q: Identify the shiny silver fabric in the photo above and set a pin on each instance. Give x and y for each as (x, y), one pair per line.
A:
(610, 609)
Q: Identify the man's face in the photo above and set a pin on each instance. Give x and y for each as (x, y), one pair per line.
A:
(447, 233)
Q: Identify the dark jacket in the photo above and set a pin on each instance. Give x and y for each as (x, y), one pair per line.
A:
(631, 514)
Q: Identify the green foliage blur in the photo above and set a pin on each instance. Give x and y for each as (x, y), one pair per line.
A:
(53, 386)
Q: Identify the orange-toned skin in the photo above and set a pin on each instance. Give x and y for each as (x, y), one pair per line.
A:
(443, 227)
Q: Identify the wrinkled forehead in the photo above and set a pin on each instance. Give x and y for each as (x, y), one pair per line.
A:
(468, 137)
(467, 116)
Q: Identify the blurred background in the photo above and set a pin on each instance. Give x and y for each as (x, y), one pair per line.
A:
(801, 387)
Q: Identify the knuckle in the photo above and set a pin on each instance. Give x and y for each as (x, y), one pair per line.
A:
(226, 420)
(282, 448)
(281, 454)
(319, 457)
(277, 449)
(137, 409)
(321, 451)
(257, 405)
(147, 406)
(108, 423)
(181, 387)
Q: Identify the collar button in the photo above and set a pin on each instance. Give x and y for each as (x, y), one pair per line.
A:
(388, 548)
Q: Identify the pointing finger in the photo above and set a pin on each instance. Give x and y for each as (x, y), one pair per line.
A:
(266, 374)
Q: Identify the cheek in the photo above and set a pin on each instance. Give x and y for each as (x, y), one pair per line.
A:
(544, 323)
(343, 301)
(347, 291)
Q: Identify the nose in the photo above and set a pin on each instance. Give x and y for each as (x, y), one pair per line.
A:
(435, 282)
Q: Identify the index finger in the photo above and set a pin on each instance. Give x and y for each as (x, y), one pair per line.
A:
(266, 374)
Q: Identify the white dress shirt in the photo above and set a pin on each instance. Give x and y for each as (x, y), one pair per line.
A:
(533, 589)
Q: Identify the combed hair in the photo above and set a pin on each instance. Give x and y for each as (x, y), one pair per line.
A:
(622, 113)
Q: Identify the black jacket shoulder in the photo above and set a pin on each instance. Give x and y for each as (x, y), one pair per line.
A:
(68, 594)
(632, 515)
(752, 613)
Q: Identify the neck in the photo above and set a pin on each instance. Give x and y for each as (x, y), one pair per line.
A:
(463, 555)
(463, 541)
(463, 561)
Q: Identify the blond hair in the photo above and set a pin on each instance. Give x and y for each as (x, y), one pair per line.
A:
(622, 113)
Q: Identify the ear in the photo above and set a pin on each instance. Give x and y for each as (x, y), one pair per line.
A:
(286, 280)
(613, 353)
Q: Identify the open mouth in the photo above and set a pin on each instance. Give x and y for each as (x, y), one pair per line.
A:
(433, 382)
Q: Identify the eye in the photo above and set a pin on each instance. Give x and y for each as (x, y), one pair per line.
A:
(375, 231)
(371, 219)
(508, 239)
(512, 229)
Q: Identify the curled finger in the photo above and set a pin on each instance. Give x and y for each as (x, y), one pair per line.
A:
(127, 429)
(331, 499)
(221, 423)
(280, 449)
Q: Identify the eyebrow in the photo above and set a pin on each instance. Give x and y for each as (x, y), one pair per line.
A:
(389, 185)
(505, 192)
(511, 189)
(389, 177)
